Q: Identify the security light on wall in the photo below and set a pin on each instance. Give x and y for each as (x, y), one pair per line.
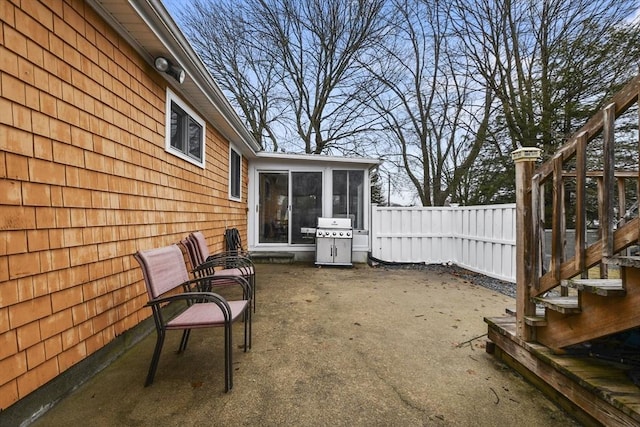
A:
(163, 64)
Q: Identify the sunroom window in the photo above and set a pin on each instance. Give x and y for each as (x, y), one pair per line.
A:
(348, 196)
(185, 131)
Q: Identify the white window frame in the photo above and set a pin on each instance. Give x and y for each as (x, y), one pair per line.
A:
(237, 197)
(360, 211)
(172, 97)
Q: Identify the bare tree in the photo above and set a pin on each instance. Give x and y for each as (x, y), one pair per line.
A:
(222, 36)
(550, 62)
(316, 45)
(435, 118)
(291, 66)
(443, 89)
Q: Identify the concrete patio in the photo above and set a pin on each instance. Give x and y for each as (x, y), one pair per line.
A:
(332, 346)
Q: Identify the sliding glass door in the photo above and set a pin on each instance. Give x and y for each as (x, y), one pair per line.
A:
(273, 212)
(289, 205)
(306, 205)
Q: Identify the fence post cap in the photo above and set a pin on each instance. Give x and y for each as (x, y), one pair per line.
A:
(524, 154)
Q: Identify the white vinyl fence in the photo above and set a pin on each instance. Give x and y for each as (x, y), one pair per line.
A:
(478, 238)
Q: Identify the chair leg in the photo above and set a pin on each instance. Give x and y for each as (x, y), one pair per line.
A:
(155, 358)
(247, 322)
(228, 358)
(253, 291)
(248, 330)
(185, 339)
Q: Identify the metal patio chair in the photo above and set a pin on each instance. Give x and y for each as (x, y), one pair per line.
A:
(167, 281)
(228, 263)
(202, 270)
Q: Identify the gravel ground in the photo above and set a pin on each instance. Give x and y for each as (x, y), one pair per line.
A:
(505, 288)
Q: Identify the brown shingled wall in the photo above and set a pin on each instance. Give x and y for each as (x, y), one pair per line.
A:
(85, 182)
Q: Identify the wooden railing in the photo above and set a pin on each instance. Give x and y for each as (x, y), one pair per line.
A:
(570, 163)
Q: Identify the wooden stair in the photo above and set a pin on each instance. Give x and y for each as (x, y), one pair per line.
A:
(536, 320)
(600, 304)
(539, 319)
(602, 287)
(571, 304)
(564, 305)
(554, 245)
(623, 261)
(602, 307)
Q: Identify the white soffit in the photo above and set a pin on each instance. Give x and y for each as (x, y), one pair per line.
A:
(150, 29)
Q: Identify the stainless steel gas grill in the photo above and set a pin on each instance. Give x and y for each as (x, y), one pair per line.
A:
(334, 239)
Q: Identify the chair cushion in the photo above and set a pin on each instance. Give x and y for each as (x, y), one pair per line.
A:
(204, 315)
(236, 272)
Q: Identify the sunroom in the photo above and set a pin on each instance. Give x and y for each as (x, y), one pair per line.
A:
(289, 192)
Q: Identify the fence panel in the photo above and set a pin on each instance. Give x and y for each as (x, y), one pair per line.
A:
(484, 240)
(401, 234)
(478, 238)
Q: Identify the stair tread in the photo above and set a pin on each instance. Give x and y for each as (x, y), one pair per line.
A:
(512, 311)
(566, 305)
(603, 283)
(568, 301)
(535, 320)
(603, 287)
(623, 261)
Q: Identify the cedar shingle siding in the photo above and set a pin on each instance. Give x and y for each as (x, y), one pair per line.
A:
(85, 181)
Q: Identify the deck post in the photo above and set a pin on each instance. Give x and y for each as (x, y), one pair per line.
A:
(524, 159)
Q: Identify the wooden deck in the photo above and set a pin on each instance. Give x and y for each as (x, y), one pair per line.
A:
(595, 392)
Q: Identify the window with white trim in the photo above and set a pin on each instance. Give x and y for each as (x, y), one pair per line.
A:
(348, 196)
(235, 174)
(185, 131)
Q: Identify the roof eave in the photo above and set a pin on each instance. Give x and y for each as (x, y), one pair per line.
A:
(152, 32)
(319, 158)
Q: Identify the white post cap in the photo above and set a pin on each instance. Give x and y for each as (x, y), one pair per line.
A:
(524, 154)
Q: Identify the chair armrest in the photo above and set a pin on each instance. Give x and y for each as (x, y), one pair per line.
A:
(236, 262)
(205, 282)
(195, 297)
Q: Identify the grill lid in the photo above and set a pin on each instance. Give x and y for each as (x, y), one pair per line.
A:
(334, 223)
